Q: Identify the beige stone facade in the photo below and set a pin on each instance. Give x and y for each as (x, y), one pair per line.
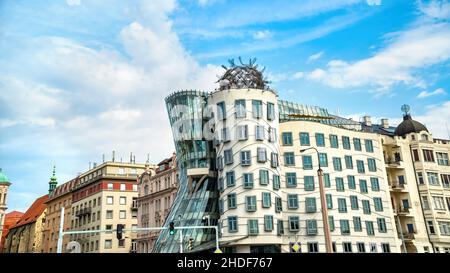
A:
(157, 190)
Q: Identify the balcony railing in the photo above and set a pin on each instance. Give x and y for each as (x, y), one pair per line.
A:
(402, 210)
(134, 205)
(409, 235)
(84, 211)
(396, 185)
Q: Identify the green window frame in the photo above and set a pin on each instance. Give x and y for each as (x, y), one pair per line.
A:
(369, 228)
(372, 165)
(351, 182)
(345, 227)
(276, 181)
(357, 144)
(309, 183)
(326, 180)
(331, 222)
(381, 222)
(363, 186)
(337, 164)
(334, 142)
(278, 204)
(346, 142)
(253, 228)
(378, 203)
(329, 200)
(266, 200)
(360, 166)
(294, 223)
(357, 226)
(369, 145)
(342, 205)
(320, 140)
(231, 198)
(291, 180)
(340, 184)
(231, 181)
(240, 109)
(250, 203)
(304, 139)
(310, 204)
(287, 138)
(248, 180)
(375, 184)
(257, 109)
(307, 162)
(354, 202)
(311, 227)
(264, 177)
(366, 206)
(289, 159)
(348, 162)
(292, 201)
(268, 222)
(232, 224)
(323, 160)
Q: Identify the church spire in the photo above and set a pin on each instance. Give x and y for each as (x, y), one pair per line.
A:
(52, 183)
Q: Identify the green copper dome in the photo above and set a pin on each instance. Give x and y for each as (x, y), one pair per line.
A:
(3, 177)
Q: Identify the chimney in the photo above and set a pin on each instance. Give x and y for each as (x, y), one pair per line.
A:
(367, 121)
(385, 123)
(94, 165)
(131, 157)
(113, 156)
(103, 158)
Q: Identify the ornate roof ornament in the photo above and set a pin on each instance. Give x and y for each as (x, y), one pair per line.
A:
(243, 76)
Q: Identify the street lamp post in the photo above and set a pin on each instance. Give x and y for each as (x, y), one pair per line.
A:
(323, 201)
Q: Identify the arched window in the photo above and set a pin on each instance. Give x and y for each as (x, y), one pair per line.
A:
(145, 189)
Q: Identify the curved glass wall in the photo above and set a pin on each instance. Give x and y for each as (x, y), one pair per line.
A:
(196, 203)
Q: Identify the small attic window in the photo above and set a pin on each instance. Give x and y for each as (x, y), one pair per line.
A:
(424, 137)
(413, 137)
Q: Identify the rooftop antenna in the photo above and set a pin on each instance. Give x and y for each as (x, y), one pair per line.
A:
(405, 109)
(148, 158)
(113, 156)
(134, 159)
(103, 156)
(131, 157)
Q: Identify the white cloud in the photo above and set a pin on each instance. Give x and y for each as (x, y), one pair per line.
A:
(373, 2)
(425, 94)
(73, 2)
(436, 9)
(437, 120)
(314, 57)
(416, 48)
(298, 75)
(262, 34)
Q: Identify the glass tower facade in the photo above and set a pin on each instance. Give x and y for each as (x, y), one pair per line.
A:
(196, 203)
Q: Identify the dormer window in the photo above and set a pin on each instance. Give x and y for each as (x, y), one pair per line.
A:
(424, 137)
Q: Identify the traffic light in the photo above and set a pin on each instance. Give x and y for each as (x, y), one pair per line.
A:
(119, 231)
(171, 228)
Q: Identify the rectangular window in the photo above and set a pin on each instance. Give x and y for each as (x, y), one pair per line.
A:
(361, 247)
(304, 139)
(221, 209)
(109, 214)
(313, 247)
(263, 177)
(329, 201)
(381, 225)
(231, 200)
(250, 203)
(294, 223)
(123, 200)
(292, 201)
(278, 204)
(289, 159)
(375, 185)
(286, 138)
(266, 200)
(428, 155)
(272, 134)
(253, 227)
(445, 178)
(360, 166)
(354, 202)
(240, 110)
(228, 156)
(273, 160)
(276, 182)
(109, 200)
(257, 109)
(326, 180)
(221, 185)
(433, 178)
(385, 248)
(320, 140)
(268, 222)
(122, 214)
(416, 155)
(334, 143)
(420, 178)
(220, 162)
(311, 227)
(337, 165)
(342, 205)
(108, 244)
(307, 162)
(348, 162)
(310, 203)
(369, 228)
(444, 228)
(372, 164)
(246, 158)
(378, 204)
(346, 142)
(366, 206)
(363, 186)
(357, 223)
(351, 182)
(345, 227)
(270, 111)
(438, 203)
(291, 180)
(242, 132)
(331, 222)
(357, 144)
(309, 183)
(221, 111)
(426, 204)
(261, 156)
(369, 145)
(323, 160)
(225, 135)
(248, 180)
(442, 159)
(280, 227)
(230, 179)
(259, 132)
(347, 247)
(232, 224)
(339, 184)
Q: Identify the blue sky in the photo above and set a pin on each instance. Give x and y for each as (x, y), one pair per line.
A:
(81, 78)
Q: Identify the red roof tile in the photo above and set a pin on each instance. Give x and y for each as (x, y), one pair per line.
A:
(33, 212)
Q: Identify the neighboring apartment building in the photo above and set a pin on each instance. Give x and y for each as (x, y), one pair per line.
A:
(26, 235)
(419, 176)
(4, 186)
(11, 219)
(103, 197)
(59, 196)
(157, 191)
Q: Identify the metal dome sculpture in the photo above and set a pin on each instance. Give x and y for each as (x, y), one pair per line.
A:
(243, 76)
